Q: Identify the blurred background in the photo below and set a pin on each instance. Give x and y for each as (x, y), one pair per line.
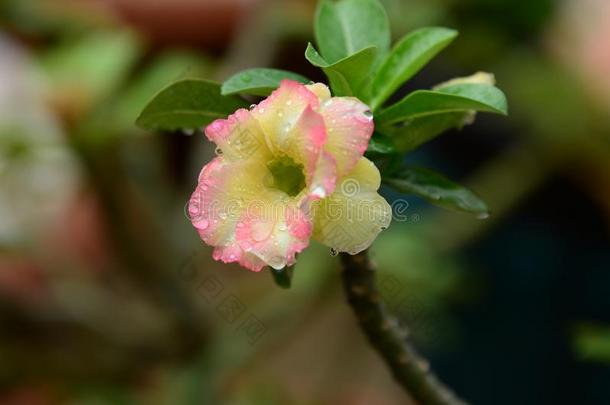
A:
(108, 296)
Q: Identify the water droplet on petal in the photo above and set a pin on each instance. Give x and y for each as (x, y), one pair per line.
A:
(218, 151)
(333, 252)
(252, 106)
(368, 114)
(383, 228)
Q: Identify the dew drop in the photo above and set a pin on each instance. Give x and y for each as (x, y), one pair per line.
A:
(218, 151)
(483, 215)
(383, 228)
(188, 131)
(333, 252)
(368, 114)
(246, 78)
(252, 106)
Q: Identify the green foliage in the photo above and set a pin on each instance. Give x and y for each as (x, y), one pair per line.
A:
(406, 59)
(380, 143)
(187, 104)
(454, 98)
(353, 50)
(592, 343)
(102, 59)
(258, 81)
(420, 130)
(347, 75)
(165, 69)
(438, 190)
(345, 27)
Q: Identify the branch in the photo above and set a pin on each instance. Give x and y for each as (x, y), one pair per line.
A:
(387, 337)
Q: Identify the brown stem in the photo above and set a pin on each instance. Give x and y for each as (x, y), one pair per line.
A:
(387, 337)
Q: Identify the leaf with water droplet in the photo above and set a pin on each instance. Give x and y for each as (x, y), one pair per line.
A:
(437, 189)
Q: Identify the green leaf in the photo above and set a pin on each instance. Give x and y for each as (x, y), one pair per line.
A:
(345, 27)
(164, 69)
(258, 81)
(381, 144)
(406, 59)
(282, 277)
(413, 133)
(454, 98)
(346, 76)
(187, 104)
(438, 190)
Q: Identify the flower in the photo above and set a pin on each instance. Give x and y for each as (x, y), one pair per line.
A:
(289, 169)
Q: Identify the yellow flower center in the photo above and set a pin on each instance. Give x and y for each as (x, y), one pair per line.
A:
(287, 175)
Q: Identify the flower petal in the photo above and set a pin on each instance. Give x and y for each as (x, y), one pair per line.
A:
(239, 137)
(320, 90)
(225, 189)
(306, 140)
(275, 234)
(233, 253)
(280, 112)
(349, 126)
(323, 179)
(352, 217)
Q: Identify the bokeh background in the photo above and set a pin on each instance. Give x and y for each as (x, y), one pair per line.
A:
(107, 295)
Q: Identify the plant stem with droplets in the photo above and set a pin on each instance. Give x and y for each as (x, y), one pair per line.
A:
(387, 337)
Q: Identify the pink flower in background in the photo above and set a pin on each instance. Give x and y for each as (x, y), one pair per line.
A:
(289, 169)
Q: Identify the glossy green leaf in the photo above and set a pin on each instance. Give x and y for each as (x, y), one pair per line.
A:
(187, 104)
(345, 27)
(406, 59)
(348, 75)
(258, 82)
(413, 133)
(454, 98)
(282, 277)
(164, 69)
(438, 190)
(381, 144)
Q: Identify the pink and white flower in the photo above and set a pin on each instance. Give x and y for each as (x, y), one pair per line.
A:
(289, 169)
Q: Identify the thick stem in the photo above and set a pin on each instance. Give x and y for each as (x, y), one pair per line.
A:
(387, 337)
